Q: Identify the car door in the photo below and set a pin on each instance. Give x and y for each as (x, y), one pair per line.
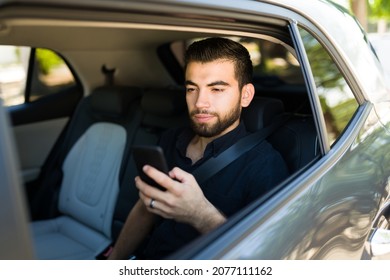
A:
(40, 92)
(15, 239)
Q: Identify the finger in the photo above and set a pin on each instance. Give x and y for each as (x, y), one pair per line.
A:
(159, 177)
(151, 203)
(146, 189)
(182, 175)
(159, 208)
(158, 212)
(147, 192)
(145, 199)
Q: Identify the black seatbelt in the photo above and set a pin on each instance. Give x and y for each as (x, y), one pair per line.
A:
(215, 164)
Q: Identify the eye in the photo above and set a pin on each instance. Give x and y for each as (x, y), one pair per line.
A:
(217, 90)
(189, 90)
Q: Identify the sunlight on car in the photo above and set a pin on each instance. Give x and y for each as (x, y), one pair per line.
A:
(13, 74)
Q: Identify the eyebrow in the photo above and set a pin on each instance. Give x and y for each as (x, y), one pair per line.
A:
(216, 83)
(189, 83)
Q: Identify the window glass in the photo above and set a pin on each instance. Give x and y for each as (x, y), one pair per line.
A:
(337, 100)
(49, 74)
(272, 60)
(13, 73)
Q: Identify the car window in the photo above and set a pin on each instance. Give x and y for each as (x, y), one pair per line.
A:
(337, 100)
(13, 73)
(49, 74)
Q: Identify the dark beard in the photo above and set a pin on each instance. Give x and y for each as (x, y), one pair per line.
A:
(205, 130)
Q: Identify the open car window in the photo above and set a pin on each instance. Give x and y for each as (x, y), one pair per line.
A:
(28, 74)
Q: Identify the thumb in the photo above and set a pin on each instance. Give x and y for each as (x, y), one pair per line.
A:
(181, 175)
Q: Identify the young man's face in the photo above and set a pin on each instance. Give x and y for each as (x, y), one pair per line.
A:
(214, 98)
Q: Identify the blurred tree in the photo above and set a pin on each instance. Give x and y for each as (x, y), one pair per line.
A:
(360, 10)
(47, 60)
(380, 10)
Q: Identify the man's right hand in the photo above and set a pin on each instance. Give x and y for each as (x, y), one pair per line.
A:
(182, 201)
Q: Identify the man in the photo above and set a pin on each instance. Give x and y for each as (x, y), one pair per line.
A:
(218, 76)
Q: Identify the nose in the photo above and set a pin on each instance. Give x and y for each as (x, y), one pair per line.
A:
(202, 100)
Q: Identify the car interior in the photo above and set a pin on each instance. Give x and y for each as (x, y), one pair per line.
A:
(127, 90)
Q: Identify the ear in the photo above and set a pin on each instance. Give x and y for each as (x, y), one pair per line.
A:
(247, 94)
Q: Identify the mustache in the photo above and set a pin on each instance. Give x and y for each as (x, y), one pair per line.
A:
(195, 112)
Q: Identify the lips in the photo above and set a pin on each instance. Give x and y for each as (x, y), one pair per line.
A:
(203, 118)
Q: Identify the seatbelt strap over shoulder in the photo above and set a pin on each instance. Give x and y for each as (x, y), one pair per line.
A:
(215, 164)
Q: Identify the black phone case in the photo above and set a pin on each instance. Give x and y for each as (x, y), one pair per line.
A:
(153, 156)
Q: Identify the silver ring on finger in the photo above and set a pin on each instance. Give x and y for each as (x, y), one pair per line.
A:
(151, 204)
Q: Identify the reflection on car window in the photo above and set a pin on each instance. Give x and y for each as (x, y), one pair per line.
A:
(13, 73)
(337, 100)
(49, 74)
(272, 63)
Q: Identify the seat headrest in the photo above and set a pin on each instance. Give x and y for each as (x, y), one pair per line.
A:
(260, 112)
(164, 102)
(113, 100)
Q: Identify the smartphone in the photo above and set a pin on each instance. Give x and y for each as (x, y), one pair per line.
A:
(153, 156)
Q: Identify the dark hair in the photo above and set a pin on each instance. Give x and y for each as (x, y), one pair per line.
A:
(214, 48)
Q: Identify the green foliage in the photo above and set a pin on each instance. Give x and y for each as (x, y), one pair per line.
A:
(18, 54)
(342, 113)
(47, 60)
(326, 73)
(379, 8)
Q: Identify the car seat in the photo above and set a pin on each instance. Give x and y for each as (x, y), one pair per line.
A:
(90, 160)
(295, 139)
(162, 108)
(297, 142)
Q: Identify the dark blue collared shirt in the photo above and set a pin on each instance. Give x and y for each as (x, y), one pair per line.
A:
(229, 190)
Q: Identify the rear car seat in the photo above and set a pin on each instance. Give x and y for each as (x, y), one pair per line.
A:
(297, 142)
(295, 139)
(261, 112)
(87, 170)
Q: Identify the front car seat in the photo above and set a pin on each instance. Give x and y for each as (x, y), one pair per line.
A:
(98, 140)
